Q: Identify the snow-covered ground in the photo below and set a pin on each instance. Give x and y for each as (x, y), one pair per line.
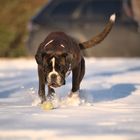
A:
(111, 90)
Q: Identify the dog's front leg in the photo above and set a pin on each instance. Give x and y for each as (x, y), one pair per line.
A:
(75, 81)
(73, 98)
(51, 93)
(41, 91)
(77, 76)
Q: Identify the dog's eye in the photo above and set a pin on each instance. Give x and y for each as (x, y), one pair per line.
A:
(49, 63)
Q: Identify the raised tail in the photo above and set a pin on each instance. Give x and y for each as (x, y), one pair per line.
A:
(100, 37)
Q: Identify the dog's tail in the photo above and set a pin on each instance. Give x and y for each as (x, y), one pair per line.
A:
(97, 39)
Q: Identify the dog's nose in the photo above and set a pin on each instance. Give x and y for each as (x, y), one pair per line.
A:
(53, 81)
(53, 77)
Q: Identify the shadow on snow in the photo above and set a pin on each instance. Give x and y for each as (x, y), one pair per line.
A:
(115, 92)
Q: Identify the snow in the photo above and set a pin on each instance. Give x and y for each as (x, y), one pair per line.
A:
(110, 109)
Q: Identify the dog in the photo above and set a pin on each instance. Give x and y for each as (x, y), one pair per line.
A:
(58, 55)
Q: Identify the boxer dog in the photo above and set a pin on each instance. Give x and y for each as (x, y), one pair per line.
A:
(58, 55)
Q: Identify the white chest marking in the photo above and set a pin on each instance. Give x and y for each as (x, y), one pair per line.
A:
(49, 42)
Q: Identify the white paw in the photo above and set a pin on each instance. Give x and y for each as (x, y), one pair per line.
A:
(73, 100)
(36, 101)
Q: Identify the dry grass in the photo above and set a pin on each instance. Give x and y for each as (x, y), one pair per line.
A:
(14, 17)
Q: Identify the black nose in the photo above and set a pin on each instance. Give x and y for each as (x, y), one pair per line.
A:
(53, 78)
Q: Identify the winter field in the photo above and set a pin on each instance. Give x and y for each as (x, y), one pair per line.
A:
(110, 109)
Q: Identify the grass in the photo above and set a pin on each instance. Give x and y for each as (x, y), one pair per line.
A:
(14, 18)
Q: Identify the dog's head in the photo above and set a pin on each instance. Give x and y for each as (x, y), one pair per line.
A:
(55, 61)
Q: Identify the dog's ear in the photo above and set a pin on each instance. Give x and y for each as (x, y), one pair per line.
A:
(39, 54)
(39, 58)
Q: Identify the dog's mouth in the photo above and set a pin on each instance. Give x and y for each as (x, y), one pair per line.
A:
(55, 81)
(55, 85)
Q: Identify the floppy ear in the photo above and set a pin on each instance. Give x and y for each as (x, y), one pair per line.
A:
(39, 59)
(39, 54)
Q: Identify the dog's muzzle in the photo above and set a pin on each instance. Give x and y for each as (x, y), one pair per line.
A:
(55, 80)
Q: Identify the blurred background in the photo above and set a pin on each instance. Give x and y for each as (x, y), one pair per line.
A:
(25, 23)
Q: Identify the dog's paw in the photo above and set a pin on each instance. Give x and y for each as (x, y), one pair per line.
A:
(73, 100)
(54, 99)
(36, 102)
